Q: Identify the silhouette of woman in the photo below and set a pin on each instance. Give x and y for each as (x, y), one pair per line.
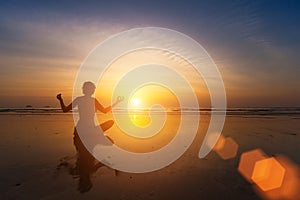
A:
(87, 107)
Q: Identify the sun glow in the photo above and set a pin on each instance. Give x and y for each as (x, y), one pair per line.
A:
(144, 100)
(135, 102)
(138, 117)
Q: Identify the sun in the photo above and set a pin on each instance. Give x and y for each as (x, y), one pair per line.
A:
(136, 102)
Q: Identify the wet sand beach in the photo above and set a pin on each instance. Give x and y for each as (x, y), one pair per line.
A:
(37, 153)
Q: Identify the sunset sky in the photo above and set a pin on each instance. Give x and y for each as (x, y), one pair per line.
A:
(255, 44)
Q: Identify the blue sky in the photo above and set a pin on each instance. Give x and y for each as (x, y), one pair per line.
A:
(255, 44)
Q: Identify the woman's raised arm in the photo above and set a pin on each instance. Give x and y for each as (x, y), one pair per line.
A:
(62, 104)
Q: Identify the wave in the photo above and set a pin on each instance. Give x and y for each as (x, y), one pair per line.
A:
(208, 111)
(30, 110)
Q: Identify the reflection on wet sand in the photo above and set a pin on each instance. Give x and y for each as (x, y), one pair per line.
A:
(84, 166)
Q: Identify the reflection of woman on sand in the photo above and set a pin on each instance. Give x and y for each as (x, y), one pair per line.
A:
(87, 106)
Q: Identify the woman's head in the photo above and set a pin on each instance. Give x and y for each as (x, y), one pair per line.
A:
(88, 88)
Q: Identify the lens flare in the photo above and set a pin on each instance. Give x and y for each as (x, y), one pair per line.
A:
(176, 65)
(272, 177)
(290, 185)
(247, 162)
(268, 174)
